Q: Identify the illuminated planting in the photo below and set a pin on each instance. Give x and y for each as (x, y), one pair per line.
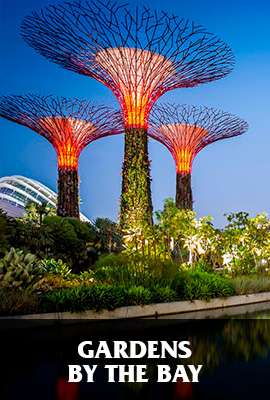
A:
(69, 125)
(185, 130)
(139, 54)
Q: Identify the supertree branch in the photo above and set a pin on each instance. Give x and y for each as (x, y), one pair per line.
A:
(69, 125)
(185, 130)
(139, 54)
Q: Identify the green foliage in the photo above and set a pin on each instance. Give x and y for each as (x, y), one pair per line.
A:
(136, 204)
(192, 285)
(163, 294)
(102, 296)
(135, 270)
(245, 244)
(69, 239)
(112, 260)
(16, 302)
(3, 233)
(176, 235)
(189, 285)
(83, 298)
(72, 239)
(109, 238)
(57, 267)
(251, 284)
(7, 230)
(138, 295)
(242, 247)
(19, 270)
(36, 212)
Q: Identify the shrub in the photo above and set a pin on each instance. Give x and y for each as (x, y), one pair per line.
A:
(98, 297)
(251, 284)
(108, 235)
(161, 294)
(58, 267)
(135, 270)
(112, 260)
(50, 282)
(19, 270)
(138, 295)
(191, 285)
(83, 298)
(15, 302)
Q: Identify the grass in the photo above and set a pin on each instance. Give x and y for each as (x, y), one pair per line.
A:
(251, 284)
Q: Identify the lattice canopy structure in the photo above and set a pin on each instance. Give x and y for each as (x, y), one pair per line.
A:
(139, 54)
(69, 125)
(185, 130)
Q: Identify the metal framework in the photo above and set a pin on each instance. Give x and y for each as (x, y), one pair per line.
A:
(185, 130)
(69, 125)
(139, 54)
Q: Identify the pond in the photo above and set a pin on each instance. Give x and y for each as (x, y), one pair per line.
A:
(235, 354)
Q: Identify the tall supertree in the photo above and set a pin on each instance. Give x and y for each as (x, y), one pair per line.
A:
(139, 54)
(69, 125)
(186, 130)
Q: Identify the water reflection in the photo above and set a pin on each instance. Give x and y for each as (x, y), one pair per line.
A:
(235, 355)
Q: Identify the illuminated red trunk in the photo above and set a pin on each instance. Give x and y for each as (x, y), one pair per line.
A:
(68, 193)
(183, 199)
(136, 204)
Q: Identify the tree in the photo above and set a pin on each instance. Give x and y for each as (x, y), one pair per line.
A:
(139, 54)
(69, 125)
(109, 235)
(36, 212)
(185, 131)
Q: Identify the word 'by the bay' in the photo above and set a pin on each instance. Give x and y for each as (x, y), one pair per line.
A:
(135, 350)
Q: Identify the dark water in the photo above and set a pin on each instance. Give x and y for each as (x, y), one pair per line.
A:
(235, 355)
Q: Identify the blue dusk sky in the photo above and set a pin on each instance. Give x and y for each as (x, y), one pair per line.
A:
(230, 175)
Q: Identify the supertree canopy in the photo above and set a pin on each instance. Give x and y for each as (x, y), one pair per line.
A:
(185, 130)
(69, 125)
(139, 54)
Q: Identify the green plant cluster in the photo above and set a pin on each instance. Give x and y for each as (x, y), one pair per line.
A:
(55, 267)
(19, 270)
(180, 257)
(241, 247)
(105, 296)
(136, 205)
(78, 244)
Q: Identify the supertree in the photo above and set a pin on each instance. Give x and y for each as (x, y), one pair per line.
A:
(139, 54)
(69, 125)
(185, 130)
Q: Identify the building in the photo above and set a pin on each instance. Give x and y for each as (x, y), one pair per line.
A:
(16, 191)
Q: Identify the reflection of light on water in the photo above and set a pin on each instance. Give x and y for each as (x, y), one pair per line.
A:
(182, 390)
(67, 390)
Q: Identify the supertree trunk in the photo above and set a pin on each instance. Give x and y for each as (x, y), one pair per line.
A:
(136, 204)
(183, 198)
(68, 193)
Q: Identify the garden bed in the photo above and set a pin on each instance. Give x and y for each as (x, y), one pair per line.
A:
(178, 308)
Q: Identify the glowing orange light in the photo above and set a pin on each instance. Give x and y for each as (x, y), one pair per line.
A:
(184, 142)
(136, 74)
(66, 135)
